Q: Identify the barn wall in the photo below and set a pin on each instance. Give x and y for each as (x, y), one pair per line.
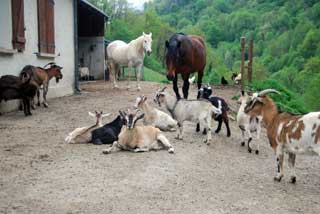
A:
(91, 49)
(64, 42)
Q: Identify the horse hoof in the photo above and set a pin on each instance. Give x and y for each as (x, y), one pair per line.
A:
(37, 105)
(249, 150)
(242, 143)
(45, 105)
(257, 152)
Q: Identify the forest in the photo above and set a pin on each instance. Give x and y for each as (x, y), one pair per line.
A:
(286, 37)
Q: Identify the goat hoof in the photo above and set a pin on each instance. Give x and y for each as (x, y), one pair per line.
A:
(106, 151)
(293, 179)
(257, 152)
(249, 150)
(204, 132)
(242, 143)
(37, 105)
(228, 135)
(171, 150)
(278, 178)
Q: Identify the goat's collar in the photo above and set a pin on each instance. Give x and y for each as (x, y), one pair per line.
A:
(174, 108)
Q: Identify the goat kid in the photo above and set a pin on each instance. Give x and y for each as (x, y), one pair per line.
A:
(139, 138)
(155, 117)
(84, 134)
(247, 123)
(287, 133)
(200, 111)
(205, 93)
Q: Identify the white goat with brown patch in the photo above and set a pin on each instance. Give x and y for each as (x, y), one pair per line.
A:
(246, 123)
(139, 138)
(287, 133)
(84, 134)
(199, 111)
(155, 117)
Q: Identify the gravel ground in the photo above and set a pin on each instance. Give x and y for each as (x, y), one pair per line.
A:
(39, 173)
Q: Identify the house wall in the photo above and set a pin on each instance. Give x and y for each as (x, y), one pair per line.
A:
(94, 56)
(64, 42)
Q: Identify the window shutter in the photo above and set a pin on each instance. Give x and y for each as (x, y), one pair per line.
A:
(18, 37)
(46, 26)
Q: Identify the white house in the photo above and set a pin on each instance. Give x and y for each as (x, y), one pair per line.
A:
(35, 32)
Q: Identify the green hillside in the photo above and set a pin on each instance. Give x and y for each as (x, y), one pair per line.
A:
(286, 38)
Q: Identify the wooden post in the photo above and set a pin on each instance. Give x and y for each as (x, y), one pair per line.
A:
(243, 43)
(250, 61)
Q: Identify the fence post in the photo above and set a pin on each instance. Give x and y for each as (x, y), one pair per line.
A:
(243, 43)
(250, 61)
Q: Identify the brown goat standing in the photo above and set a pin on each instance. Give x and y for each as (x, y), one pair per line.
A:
(42, 76)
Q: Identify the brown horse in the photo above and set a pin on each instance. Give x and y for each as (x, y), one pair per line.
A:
(42, 76)
(185, 55)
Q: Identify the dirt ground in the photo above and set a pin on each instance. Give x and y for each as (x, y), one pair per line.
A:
(39, 173)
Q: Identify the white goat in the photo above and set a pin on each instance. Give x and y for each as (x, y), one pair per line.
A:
(155, 117)
(198, 111)
(247, 124)
(83, 134)
(139, 138)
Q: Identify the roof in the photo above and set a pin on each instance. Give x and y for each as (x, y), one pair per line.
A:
(91, 6)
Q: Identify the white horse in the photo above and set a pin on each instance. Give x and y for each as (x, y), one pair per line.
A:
(132, 54)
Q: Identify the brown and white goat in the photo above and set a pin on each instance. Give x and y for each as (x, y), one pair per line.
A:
(287, 133)
(84, 134)
(139, 138)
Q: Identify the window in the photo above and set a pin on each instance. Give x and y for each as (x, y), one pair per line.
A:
(18, 37)
(46, 26)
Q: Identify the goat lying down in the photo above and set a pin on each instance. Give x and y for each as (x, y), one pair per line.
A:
(155, 117)
(139, 138)
(84, 134)
(108, 133)
(287, 133)
(199, 111)
(246, 123)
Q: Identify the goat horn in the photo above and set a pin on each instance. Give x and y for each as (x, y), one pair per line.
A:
(266, 91)
(162, 90)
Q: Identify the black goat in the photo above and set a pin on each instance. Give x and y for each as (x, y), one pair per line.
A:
(108, 133)
(13, 87)
(224, 81)
(205, 92)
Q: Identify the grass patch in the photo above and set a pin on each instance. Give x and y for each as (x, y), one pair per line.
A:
(153, 76)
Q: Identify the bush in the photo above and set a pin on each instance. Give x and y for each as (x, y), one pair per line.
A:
(286, 101)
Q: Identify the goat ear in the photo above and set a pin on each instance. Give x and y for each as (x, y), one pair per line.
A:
(144, 98)
(122, 114)
(91, 114)
(105, 115)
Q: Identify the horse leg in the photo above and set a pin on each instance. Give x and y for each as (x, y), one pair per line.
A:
(114, 70)
(175, 87)
(45, 91)
(129, 72)
(138, 74)
(38, 96)
(185, 88)
(200, 75)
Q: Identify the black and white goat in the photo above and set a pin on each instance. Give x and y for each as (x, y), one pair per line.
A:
(205, 92)
(108, 133)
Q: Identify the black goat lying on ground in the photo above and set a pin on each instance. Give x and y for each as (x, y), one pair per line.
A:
(205, 92)
(108, 133)
(13, 87)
